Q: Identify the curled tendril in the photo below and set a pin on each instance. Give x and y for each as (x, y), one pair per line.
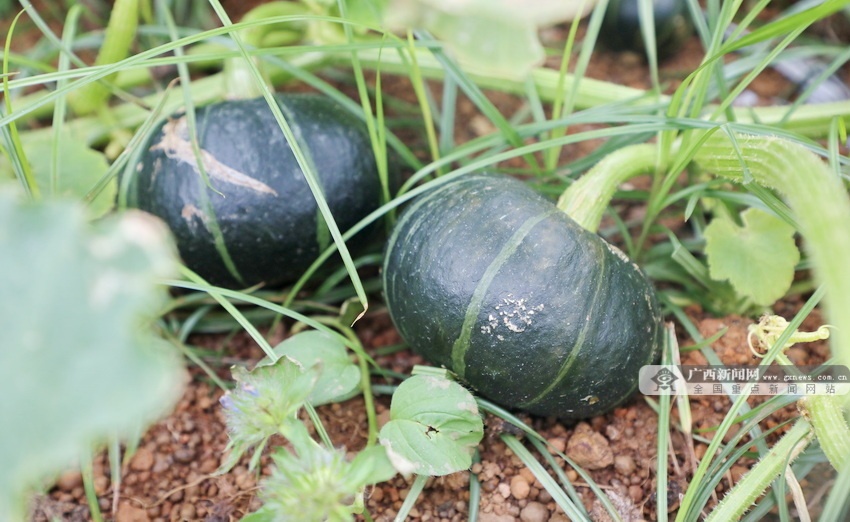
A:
(770, 327)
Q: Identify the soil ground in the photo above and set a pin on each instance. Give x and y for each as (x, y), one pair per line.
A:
(170, 477)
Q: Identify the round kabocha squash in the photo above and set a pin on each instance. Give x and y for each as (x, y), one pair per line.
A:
(259, 199)
(486, 277)
(621, 29)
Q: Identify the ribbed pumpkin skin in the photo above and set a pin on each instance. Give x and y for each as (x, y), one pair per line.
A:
(489, 279)
(268, 217)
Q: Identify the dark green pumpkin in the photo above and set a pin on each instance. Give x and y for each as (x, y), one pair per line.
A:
(489, 279)
(621, 26)
(264, 208)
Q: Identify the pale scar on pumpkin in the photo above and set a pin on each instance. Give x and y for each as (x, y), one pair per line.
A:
(175, 144)
(189, 212)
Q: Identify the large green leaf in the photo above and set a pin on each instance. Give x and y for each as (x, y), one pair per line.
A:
(758, 258)
(434, 427)
(339, 378)
(78, 357)
(78, 168)
(493, 37)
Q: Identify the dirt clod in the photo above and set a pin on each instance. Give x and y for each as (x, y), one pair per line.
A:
(520, 487)
(493, 517)
(70, 480)
(589, 449)
(130, 513)
(534, 512)
(143, 460)
(624, 464)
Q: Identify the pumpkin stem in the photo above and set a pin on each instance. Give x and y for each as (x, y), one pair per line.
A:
(120, 34)
(753, 484)
(586, 200)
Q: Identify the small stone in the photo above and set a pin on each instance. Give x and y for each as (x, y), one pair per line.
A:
(130, 513)
(69, 480)
(161, 463)
(738, 472)
(100, 485)
(624, 464)
(534, 512)
(142, 460)
(184, 455)
(529, 475)
(520, 487)
(492, 517)
(208, 466)
(504, 489)
(636, 494)
(383, 418)
(245, 481)
(187, 512)
(589, 449)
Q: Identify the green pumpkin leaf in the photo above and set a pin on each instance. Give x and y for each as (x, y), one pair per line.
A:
(368, 12)
(491, 37)
(79, 361)
(339, 378)
(79, 169)
(371, 466)
(434, 427)
(758, 258)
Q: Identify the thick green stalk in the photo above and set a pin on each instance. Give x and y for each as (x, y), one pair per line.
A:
(587, 198)
(820, 203)
(95, 131)
(809, 120)
(823, 411)
(813, 191)
(120, 34)
(827, 418)
(753, 484)
(821, 206)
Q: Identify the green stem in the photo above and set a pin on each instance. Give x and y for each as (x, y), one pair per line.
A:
(410, 500)
(120, 33)
(827, 418)
(813, 191)
(24, 171)
(818, 199)
(87, 471)
(753, 484)
(583, 200)
(551, 85)
(808, 120)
